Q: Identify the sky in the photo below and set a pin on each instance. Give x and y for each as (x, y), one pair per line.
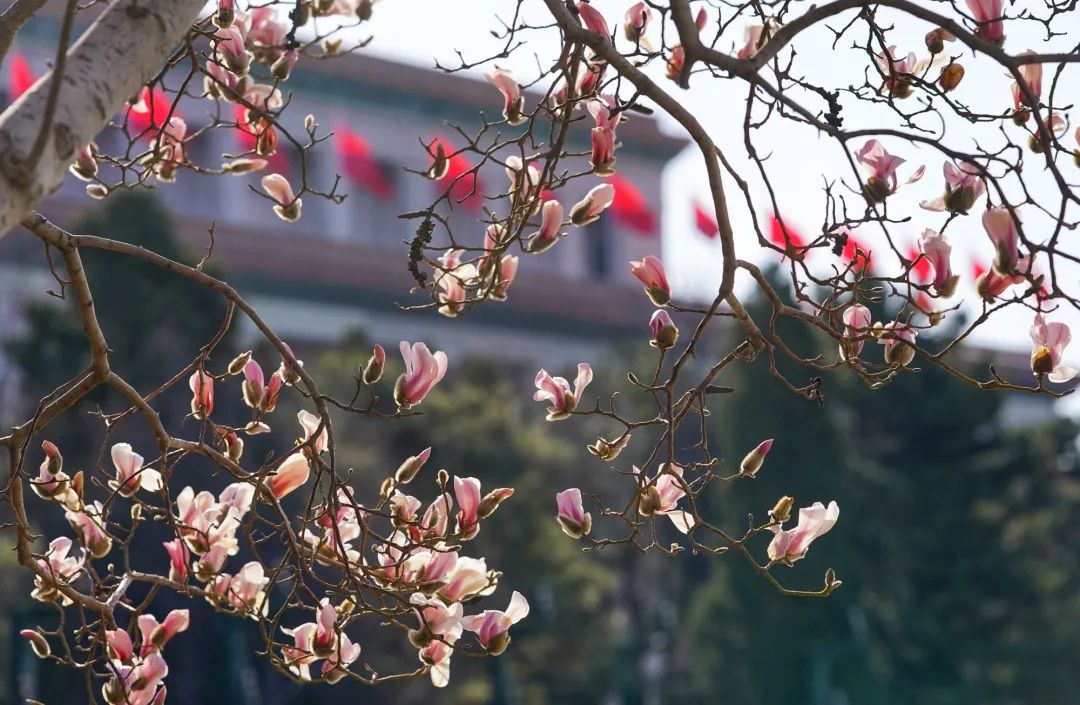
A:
(800, 160)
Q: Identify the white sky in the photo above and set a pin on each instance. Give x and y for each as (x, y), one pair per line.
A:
(802, 160)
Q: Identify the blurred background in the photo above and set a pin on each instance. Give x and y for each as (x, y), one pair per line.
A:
(960, 509)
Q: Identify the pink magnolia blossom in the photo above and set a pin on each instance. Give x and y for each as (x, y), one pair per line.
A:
(373, 370)
(602, 157)
(963, 186)
(1049, 343)
(423, 370)
(428, 568)
(1001, 227)
(310, 423)
(245, 592)
(254, 385)
(469, 579)
(664, 332)
(790, 545)
(467, 494)
(89, 524)
(513, 101)
(937, 251)
(436, 656)
(492, 626)
(754, 37)
(52, 482)
(1032, 74)
(898, 72)
(204, 522)
(202, 394)
(437, 619)
(130, 473)
(899, 341)
(289, 371)
(230, 50)
(988, 18)
(596, 201)
(882, 181)
(504, 277)
(556, 391)
(661, 495)
(273, 392)
(321, 639)
(992, 284)
(268, 30)
(650, 272)
(179, 559)
(167, 149)
(138, 683)
(290, 476)
(61, 568)
(155, 635)
(572, 517)
(281, 192)
(637, 21)
(551, 221)
(676, 62)
(525, 187)
(857, 322)
(593, 20)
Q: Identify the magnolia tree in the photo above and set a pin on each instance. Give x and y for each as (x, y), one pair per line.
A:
(344, 556)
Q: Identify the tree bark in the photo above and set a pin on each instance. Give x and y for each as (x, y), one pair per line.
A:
(120, 52)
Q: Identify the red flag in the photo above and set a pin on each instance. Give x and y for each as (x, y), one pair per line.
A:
(977, 270)
(358, 163)
(630, 208)
(784, 236)
(922, 268)
(467, 187)
(20, 76)
(705, 222)
(151, 111)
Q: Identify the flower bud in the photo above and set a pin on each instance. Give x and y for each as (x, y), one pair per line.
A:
(281, 68)
(443, 477)
(56, 461)
(309, 122)
(609, 450)
(96, 191)
(234, 446)
(411, 466)
(440, 164)
(136, 513)
(935, 40)
(225, 15)
(950, 77)
(1042, 361)
(38, 643)
(77, 484)
(238, 363)
(649, 501)
(492, 500)
(754, 459)
(781, 512)
(664, 332)
(373, 370)
(386, 488)
(85, 164)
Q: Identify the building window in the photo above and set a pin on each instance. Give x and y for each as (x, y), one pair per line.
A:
(599, 248)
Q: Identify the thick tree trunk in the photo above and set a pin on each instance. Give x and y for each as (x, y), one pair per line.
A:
(122, 50)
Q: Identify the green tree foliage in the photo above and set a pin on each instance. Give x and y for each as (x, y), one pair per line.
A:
(953, 544)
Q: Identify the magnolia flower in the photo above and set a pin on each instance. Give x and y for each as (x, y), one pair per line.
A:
(988, 18)
(1000, 225)
(937, 250)
(963, 186)
(857, 321)
(230, 50)
(423, 370)
(593, 20)
(436, 620)
(85, 166)
(61, 568)
(525, 186)
(205, 523)
(898, 72)
(882, 166)
(1032, 74)
(556, 391)
(317, 640)
(664, 332)
(650, 272)
(310, 423)
(899, 341)
(89, 524)
(436, 656)
(469, 579)
(138, 683)
(245, 592)
(661, 495)
(551, 220)
(513, 101)
(504, 277)
(992, 284)
(179, 558)
(467, 494)
(372, 371)
(588, 209)
(52, 482)
(609, 450)
(155, 635)
(754, 37)
(572, 517)
(428, 568)
(167, 149)
(492, 626)
(1050, 341)
(202, 391)
(637, 21)
(676, 62)
(290, 475)
(254, 385)
(602, 157)
(789, 545)
(130, 473)
(280, 191)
